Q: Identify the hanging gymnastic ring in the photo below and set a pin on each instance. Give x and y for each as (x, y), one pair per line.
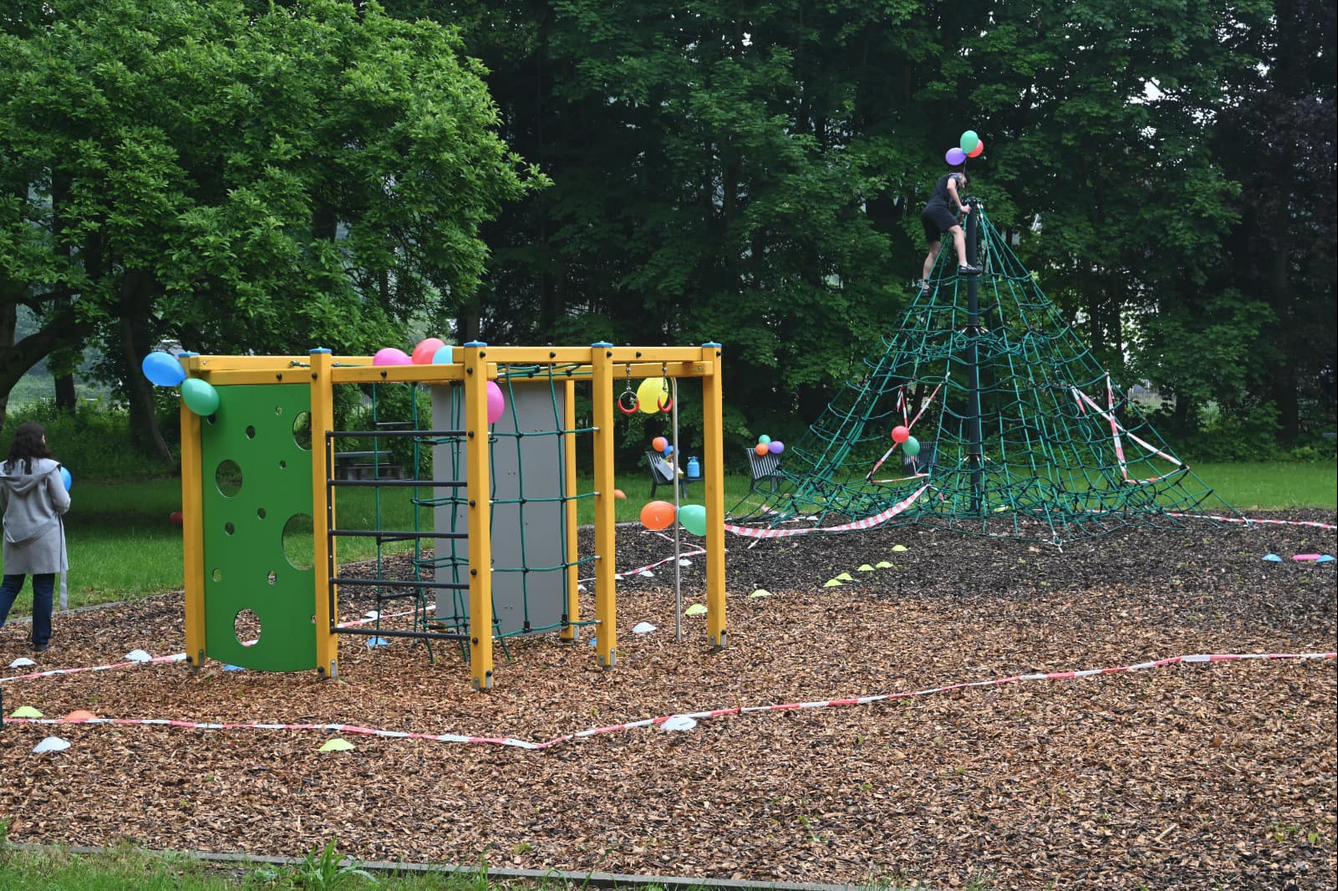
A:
(665, 406)
(622, 407)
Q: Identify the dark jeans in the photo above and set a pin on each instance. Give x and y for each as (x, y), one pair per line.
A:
(44, 583)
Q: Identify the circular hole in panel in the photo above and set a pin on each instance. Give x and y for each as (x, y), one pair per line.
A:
(273, 578)
(283, 465)
(217, 575)
(228, 478)
(229, 528)
(250, 432)
(302, 431)
(247, 628)
(299, 544)
(260, 512)
(212, 419)
(278, 409)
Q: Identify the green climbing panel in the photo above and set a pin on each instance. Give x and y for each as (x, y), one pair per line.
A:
(259, 582)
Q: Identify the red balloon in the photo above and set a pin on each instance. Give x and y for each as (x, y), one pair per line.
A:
(900, 433)
(426, 349)
(977, 151)
(658, 443)
(657, 515)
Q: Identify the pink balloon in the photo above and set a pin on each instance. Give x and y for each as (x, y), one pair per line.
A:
(426, 350)
(391, 356)
(496, 402)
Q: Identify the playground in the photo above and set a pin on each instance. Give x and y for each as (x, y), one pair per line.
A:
(1189, 773)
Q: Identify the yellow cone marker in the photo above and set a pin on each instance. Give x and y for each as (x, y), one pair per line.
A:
(337, 745)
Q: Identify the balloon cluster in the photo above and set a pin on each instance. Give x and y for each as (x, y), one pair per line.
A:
(434, 351)
(657, 515)
(660, 444)
(765, 444)
(909, 444)
(969, 146)
(165, 370)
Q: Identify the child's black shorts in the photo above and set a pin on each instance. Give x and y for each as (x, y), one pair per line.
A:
(937, 220)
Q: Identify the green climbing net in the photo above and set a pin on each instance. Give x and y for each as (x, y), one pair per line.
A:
(1013, 429)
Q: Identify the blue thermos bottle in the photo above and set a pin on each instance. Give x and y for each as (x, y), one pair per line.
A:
(694, 469)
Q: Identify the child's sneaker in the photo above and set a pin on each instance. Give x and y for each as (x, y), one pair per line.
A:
(41, 648)
(968, 270)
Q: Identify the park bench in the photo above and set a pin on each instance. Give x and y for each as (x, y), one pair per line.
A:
(764, 469)
(662, 474)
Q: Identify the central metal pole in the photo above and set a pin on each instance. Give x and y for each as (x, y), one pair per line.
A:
(977, 450)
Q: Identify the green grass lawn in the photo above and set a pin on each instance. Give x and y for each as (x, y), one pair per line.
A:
(122, 544)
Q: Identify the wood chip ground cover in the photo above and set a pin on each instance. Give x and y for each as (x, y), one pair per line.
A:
(1195, 775)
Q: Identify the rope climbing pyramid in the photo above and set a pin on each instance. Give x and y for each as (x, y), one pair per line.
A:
(984, 413)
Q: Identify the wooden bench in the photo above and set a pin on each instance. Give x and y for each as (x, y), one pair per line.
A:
(357, 466)
(764, 468)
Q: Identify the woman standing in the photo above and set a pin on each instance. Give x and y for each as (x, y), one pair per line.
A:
(33, 497)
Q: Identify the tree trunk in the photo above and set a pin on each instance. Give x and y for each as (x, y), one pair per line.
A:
(67, 399)
(134, 336)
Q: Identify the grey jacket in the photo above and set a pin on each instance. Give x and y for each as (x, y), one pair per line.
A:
(34, 504)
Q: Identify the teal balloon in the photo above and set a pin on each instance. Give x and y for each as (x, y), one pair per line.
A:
(443, 356)
(200, 397)
(693, 518)
(969, 141)
(163, 369)
(764, 440)
(911, 446)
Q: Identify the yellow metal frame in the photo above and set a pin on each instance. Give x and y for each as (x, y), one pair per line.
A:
(478, 363)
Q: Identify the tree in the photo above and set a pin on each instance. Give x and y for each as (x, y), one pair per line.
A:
(238, 179)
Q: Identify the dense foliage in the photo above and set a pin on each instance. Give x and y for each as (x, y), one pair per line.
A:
(257, 175)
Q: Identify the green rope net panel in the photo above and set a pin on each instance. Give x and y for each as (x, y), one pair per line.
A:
(1010, 425)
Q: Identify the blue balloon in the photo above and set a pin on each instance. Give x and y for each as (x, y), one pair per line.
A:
(65, 478)
(162, 369)
(443, 356)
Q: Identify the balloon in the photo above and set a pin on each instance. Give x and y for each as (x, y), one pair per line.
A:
(911, 446)
(900, 433)
(620, 494)
(668, 450)
(199, 396)
(969, 142)
(978, 150)
(657, 515)
(651, 394)
(693, 518)
(496, 402)
(443, 356)
(391, 356)
(659, 443)
(426, 350)
(776, 447)
(955, 157)
(162, 369)
(65, 479)
(764, 440)
(761, 449)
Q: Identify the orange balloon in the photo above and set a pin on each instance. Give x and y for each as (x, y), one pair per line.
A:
(620, 494)
(762, 448)
(659, 443)
(657, 515)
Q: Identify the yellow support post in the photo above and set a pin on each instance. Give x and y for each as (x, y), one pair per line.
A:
(569, 450)
(323, 514)
(606, 609)
(479, 493)
(192, 523)
(714, 449)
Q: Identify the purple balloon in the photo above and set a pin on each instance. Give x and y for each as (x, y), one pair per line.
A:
(776, 447)
(955, 156)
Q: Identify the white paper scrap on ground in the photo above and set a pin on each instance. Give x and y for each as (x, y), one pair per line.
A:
(377, 642)
(679, 722)
(138, 656)
(580, 587)
(51, 744)
(372, 614)
(26, 711)
(21, 662)
(643, 628)
(760, 592)
(684, 561)
(233, 668)
(646, 574)
(337, 745)
(695, 610)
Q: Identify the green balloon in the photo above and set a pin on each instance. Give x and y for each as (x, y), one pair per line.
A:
(911, 446)
(199, 396)
(969, 141)
(693, 518)
(764, 440)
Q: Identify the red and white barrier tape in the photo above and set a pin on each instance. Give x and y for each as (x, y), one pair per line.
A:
(1248, 521)
(866, 523)
(701, 715)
